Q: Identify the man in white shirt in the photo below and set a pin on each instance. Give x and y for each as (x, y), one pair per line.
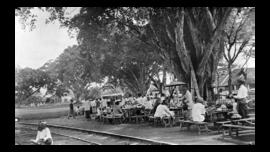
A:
(187, 99)
(198, 111)
(242, 98)
(162, 111)
(44, 136)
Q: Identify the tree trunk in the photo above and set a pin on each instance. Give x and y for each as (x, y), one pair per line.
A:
(194, 83)
(230, 78)
(164, 79)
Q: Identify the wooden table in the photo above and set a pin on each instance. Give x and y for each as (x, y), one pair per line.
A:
(112, 118)
(130, 113)
(218, 114)
(196, 123)
(178, 111)
(236, 128)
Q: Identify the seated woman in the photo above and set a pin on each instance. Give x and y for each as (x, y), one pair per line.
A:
(198, 111)
(44, 136)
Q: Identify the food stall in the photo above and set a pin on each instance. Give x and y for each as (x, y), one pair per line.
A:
(172, 86)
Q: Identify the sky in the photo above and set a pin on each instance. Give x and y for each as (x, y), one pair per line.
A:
(47, 41)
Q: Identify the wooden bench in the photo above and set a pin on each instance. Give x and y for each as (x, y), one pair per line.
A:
(196, 123)
(111, 118)
(221, 123)
(236, 128)
(165, 121)
(138, 118)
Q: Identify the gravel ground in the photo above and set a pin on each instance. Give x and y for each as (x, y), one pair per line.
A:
(144, 130)
(58, 116)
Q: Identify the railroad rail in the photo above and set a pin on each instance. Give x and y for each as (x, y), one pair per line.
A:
(59, 134)
(113, 137)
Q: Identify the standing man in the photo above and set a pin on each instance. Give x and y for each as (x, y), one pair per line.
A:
(87, 109)
(71, 109)
(241, 98)
(187, 100)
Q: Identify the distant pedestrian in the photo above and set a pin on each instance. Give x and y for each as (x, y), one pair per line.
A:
(87, 109)
(71, 109)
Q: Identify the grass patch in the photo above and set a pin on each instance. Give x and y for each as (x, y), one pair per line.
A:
(42, 114)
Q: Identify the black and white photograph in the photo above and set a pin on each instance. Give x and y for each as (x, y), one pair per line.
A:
(134, 76)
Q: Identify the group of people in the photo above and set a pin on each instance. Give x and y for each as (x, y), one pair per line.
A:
(158, 104)
(239, 102)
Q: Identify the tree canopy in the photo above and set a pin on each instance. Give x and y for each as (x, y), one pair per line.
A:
(130, 44)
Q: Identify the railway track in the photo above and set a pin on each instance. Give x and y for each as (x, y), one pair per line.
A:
(30, 132)
(97, 137)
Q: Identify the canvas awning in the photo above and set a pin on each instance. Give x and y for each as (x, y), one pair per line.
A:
(177, 83)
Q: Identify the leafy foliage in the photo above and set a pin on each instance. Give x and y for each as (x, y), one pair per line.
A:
(190, 39)
(28, 81)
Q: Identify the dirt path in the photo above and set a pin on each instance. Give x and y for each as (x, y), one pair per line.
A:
(143, 130)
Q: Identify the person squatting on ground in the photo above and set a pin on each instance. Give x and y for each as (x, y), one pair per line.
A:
(44, 136)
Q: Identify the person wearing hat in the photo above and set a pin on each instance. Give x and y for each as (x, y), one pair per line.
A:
(242, 94)
(44, 136)
(198, 110)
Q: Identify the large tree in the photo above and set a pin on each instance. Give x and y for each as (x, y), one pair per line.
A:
(29, 81)
(190, 39)
(239, 38)
(72, 71)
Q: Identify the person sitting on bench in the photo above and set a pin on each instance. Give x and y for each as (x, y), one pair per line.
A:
(162, 110)
(117, 111)
(44, 136)
(198, 111)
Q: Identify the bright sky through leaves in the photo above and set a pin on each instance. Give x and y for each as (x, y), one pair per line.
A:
(47, 41)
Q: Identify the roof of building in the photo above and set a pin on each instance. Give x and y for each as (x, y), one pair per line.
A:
(112, 92)
(223, 80)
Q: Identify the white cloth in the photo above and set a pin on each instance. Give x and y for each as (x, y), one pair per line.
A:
(98, 112)
(162, 110)
(44, 134)
(103, 103)
(188, 97)
(93, 103)
(86, 105)
(242, 92)
(235, 107)
(197, 112)
(148, 104)
(140, 100)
